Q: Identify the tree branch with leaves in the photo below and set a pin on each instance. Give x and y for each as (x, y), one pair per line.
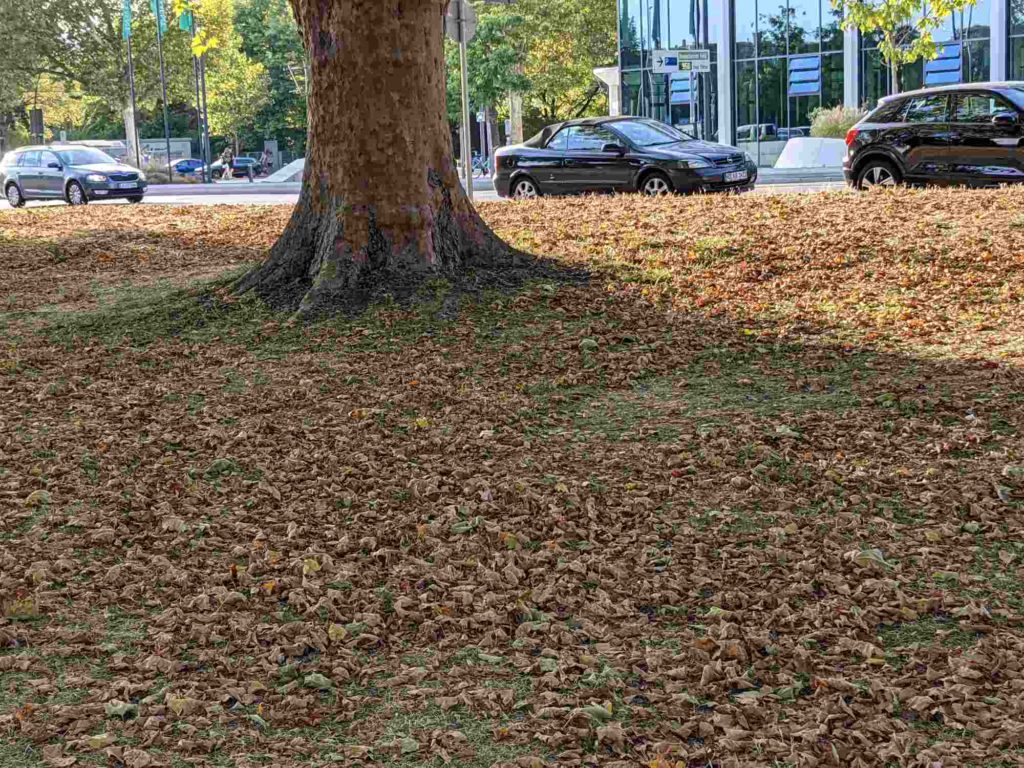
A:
(904, 28)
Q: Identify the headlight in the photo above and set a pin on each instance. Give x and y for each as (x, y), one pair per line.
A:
(142, 176)
(694, 162)
(97, 178)
(748, 158)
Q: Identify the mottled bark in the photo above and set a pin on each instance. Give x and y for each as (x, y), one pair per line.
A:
(380, 199)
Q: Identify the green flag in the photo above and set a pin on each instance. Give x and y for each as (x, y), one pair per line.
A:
(126, 20)
(185, 21)
(157, 6)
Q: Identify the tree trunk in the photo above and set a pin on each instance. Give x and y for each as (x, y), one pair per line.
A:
(381, 203)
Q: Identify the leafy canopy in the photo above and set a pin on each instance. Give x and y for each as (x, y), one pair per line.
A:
(904, 27)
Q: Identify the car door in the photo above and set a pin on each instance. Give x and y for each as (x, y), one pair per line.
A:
(986, 139)
(546, 165)
(588, 168)
(51, 179)
(923, 139)
(28, 174)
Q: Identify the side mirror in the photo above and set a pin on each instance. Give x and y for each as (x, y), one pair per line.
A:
(616, 149)
(58, 166)
(1005, 118)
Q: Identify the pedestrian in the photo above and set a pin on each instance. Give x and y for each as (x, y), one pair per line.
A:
(267, 160)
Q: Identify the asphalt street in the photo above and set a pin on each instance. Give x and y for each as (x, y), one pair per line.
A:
(244, 193)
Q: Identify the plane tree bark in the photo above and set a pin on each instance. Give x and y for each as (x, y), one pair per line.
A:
(381, 202)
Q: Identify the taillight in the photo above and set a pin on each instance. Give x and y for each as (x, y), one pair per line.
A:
(851, 136)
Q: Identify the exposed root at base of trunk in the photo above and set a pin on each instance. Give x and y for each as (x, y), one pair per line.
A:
(313, 271)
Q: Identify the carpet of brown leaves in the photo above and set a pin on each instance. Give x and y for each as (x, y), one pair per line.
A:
(752, 497)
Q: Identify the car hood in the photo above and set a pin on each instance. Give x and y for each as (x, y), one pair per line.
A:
(683, 149)
(106, 168)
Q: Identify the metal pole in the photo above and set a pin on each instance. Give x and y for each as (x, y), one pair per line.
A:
(163, 87)
(134, 138)
(467, 167)
(207, 173)
(199, 100)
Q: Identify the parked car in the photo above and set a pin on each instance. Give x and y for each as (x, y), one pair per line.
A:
(624, 154)
(74, 173)
(758, 132)
(970, 134)
(188, 166)
(240, 167)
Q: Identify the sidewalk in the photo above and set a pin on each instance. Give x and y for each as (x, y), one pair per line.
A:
(244, 187)
(765, 177)
(798, 175)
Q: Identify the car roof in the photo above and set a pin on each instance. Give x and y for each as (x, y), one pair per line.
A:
(994, 85)
(37, 147)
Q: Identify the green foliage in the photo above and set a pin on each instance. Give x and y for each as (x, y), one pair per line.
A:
(834, 122)
(546, 51)
(904, 27)
(495, 63)
(270, 36)
(237, 91)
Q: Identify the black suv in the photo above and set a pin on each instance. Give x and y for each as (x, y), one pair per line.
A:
(73, 173)
(970, 134)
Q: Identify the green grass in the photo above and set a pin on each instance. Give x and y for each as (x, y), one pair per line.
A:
(717, 383)
(925, 632)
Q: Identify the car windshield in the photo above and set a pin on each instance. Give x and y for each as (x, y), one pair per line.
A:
(84, 156)
(649, 133)
(1016, 94)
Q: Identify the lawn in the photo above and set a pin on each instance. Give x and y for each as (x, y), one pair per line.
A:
(751, 496)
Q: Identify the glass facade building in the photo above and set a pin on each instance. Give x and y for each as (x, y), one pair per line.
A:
(775, 61)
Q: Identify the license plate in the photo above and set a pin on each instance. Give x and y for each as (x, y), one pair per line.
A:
(125, 185)
(736, 176)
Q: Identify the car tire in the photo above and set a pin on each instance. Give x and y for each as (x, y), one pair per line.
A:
(135, 199)
(75, 194)
(656, 185)
(878, 173)
(14, 196)
(525, 189)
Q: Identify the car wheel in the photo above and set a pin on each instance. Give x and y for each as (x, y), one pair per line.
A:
(655, 185)
(525, 189)
(135, 199)
(14, 196)
(76, 195)
(878, 173)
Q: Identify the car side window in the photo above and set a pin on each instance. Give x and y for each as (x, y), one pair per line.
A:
(927, 109)
(29, 160)
(47, 158)
(889, 112)
(561, 140)
(589, 138)
(979, 107)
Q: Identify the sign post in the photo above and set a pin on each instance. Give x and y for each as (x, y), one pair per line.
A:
(460, 26)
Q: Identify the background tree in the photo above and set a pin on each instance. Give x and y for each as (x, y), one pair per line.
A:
(903, 28)
(381, 206)
(269, 35)
(566, 41)
(496, 60)
(79, 43)
(238, 90)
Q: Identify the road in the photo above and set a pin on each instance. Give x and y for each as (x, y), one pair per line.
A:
(244, 193)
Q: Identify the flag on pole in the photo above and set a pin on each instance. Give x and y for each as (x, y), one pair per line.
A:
(126, 20)
(157, 6)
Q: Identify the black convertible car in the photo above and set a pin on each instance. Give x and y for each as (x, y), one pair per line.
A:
(623, 154)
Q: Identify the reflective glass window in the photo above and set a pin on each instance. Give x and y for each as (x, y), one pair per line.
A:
(745, 14)
(804, 26)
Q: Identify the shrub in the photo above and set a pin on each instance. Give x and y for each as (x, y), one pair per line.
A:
(834, 122)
